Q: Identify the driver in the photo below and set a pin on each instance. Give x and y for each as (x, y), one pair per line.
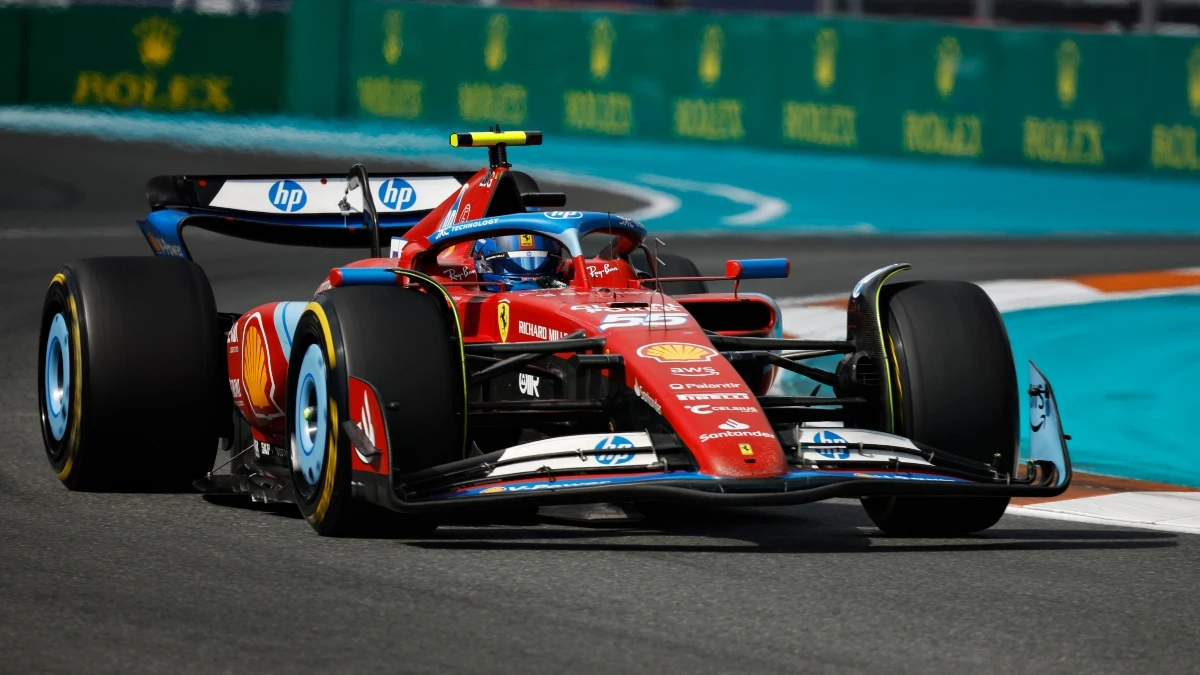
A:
(520, 262)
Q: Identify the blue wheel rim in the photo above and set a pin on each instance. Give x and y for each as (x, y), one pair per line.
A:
(311, 435)
(57, 377)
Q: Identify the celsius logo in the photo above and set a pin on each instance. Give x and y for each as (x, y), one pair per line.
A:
(287, 196)
(828, 437)
(397, 194)
(614, 443)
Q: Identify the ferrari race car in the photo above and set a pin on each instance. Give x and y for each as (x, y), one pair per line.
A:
(483, 361)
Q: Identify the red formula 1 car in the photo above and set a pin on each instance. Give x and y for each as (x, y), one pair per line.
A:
(489, 363)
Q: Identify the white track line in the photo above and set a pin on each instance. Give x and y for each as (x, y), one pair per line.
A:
(765, 208)
(1167, 511)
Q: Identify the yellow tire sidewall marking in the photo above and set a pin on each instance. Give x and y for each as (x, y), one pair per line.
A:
(77, 375)
(331, 455)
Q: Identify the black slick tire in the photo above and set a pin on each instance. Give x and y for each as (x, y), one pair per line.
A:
(954, 387)
(398, 340)
(142, 360)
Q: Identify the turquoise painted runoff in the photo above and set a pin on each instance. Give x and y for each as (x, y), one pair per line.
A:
(718, 187)
(1125, 375)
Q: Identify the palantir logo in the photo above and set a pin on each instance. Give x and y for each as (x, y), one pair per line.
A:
(287, 196)
(397, 194)
(614, 443)
(828, 437)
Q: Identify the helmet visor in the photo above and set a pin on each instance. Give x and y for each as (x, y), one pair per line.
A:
(521, 263)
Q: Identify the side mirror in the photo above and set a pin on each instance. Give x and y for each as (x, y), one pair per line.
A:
(758, 268)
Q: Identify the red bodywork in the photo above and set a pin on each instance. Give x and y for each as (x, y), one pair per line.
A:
(669, 362)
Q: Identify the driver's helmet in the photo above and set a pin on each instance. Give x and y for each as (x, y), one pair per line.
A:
(519, 261)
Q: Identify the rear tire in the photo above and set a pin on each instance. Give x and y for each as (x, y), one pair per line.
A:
(131, 386)
(954, 388)
(398, 341)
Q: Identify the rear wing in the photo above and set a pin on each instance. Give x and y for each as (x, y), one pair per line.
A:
(306, 210)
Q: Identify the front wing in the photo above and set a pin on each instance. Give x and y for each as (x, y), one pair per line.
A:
(486, 482)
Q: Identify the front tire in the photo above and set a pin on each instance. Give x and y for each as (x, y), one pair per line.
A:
(399, 341)
(130, 383)
(954, 387)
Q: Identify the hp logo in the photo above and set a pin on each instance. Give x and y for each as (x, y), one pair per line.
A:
(397, 194)
(287, 196)
(614, 443)
(831, 438)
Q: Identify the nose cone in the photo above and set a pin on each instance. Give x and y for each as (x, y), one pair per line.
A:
(703, 398)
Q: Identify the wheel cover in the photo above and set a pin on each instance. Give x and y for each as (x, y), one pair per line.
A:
(57, 377)
(311, 436)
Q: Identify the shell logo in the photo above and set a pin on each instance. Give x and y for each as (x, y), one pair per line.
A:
(676, 352)
(491, 490)
(254, 368)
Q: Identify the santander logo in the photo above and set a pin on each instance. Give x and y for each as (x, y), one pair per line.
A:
(733, 425)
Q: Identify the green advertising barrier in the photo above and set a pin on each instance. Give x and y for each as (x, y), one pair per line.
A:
(129, 58)
(1017, 97)
(11, 54)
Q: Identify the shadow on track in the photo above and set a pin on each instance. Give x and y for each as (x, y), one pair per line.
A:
(826, 528)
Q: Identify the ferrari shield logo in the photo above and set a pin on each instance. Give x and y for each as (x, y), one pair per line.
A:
(526, 241)
(502, 319)
(746, 449)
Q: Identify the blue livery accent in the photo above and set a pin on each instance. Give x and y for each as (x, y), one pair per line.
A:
(367, 276)
(801, 478)
(397, 193)
(829, 437)
(614, 443)
(287, 315)
(57, 373)
(312, 430)
(566, 230)
(764, 268)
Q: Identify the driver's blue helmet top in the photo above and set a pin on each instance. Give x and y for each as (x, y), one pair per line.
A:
(518, 260)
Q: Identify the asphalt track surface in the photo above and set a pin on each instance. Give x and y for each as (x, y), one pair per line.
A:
(171, 583)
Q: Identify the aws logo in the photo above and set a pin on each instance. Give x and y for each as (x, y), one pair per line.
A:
(156, 41)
